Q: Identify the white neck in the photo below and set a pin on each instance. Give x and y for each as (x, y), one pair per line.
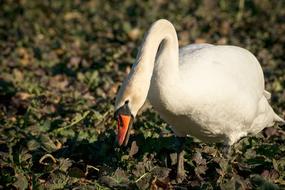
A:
(161, 34)
(160, 46)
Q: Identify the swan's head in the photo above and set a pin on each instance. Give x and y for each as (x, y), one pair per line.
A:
(124, 118)
(129, 100)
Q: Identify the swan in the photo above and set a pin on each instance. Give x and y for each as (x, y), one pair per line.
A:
(212, 92)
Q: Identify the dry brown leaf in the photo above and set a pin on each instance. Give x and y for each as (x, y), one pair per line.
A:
(134, 149)
(134, 34)
(200, 41)
(23, 95)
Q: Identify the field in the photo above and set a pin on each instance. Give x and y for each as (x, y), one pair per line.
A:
(61, 63)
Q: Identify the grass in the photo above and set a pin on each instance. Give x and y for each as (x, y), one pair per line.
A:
(61, 64)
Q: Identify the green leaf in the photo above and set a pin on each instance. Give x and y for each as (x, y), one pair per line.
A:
(33, 145)
(76, 172)
(21, 182)
(77, 119)
(64, 164)
(47, 143)
(57, 180)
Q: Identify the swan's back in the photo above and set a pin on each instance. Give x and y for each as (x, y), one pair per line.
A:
(225, 88)
(222, 66)
(186, 50)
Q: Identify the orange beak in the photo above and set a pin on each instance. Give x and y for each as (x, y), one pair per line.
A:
(124, 122)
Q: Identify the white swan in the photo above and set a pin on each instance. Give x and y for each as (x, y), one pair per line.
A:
(212, 92)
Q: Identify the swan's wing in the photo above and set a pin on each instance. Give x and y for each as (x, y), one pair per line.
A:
(192, 48)
(267, 94)
(228, 79)
(214, 66)
(189, 49)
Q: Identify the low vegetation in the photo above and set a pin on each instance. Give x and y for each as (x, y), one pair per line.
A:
(61, 63)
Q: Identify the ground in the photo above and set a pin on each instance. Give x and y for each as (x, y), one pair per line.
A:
(61, 63)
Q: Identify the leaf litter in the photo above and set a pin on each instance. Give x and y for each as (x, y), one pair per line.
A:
(61, 66)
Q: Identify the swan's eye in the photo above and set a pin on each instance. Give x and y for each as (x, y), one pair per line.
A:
(123, 110)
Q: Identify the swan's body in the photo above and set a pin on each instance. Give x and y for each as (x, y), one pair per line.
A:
(214, 93)
(219, 97)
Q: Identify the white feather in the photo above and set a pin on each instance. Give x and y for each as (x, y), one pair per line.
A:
(214, 93)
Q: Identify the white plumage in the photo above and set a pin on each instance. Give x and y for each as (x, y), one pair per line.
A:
(212, 92)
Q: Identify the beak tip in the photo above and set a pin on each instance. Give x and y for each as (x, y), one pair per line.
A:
(123, 128)
(120, 142)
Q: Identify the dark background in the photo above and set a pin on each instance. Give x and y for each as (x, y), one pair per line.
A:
(61, 63)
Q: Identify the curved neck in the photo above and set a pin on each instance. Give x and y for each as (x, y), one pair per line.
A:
(158, 55)
(160, 46)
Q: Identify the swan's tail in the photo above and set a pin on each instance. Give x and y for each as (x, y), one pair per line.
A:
(278, 119)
